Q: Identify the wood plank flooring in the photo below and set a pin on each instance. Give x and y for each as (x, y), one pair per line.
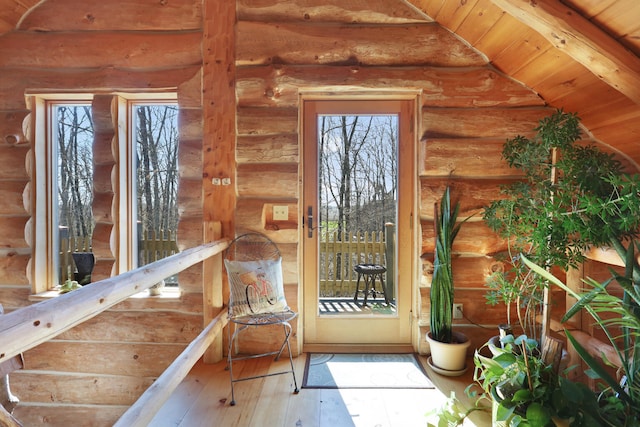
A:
(202, 400)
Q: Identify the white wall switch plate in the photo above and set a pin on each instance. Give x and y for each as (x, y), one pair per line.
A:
(280, 213)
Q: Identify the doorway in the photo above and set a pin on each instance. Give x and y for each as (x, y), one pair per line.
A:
(358, 203)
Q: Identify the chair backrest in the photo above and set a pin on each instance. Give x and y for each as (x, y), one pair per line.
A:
(254, 268)
(252, 247)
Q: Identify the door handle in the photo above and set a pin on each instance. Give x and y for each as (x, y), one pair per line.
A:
(310, 221)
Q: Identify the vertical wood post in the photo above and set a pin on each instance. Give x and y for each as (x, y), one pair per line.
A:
(574, 281)
(390, 256)
(212, 294)
(219, 113)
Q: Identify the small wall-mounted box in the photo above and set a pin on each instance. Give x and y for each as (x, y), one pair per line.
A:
(280, 216)
(280, 213)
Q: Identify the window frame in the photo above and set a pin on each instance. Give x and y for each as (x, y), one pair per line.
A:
(44, 220)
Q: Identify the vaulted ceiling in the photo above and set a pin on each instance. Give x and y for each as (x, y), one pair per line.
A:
(579, 55)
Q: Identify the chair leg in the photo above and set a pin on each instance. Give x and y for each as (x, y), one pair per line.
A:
(367, 284)
(287, 332)
(230, 362)
(293, 370)
(384, 289)
(355, 296)
(232, 339)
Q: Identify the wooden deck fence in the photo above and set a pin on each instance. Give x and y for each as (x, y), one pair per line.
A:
(340, 253)
(338, 256)
(152, 247)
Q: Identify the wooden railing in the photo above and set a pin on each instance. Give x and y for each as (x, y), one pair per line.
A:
(30, 326)
(340, 253)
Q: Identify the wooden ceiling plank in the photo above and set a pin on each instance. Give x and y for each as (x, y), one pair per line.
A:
(631, 40)
(619, 18)
(520, 54)
(430, 7)
(589, 8)
(454, 13)
(499, 37)
(625, 138)
(541, 67)
(627, 114)
(600, 112)
(482, 17)
(566, 80)
(582, 40)
(578, 94)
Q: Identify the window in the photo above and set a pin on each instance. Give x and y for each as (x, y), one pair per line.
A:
(72, 148)
(155, 132)
(126, 176)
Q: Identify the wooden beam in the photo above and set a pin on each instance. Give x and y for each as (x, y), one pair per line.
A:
(27, 327)
(219, 112)
(7, 420)
(212, 294)
(580, 39)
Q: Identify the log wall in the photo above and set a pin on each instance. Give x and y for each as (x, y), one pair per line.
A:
(469, 109)
(90, 374)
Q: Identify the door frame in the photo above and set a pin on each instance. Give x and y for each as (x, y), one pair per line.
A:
(409, 222)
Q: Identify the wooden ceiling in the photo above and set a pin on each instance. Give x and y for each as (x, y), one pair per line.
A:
(579, 55)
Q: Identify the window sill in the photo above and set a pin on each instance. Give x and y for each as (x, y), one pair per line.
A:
(172, 293)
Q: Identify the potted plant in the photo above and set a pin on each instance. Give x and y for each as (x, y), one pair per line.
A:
(448, 348)
(571, 197)
(618, 316)
(84, 262)
(527, 389)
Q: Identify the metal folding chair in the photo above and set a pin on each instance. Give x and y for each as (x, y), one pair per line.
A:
(254, 268)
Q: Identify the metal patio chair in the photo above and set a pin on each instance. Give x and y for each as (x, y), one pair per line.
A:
(254, 268)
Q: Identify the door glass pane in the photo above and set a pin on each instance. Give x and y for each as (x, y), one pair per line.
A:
(156, 152)
(73, 139)
(357, 176)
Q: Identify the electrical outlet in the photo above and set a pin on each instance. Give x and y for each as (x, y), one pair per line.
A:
(280, 213)
(457, 311)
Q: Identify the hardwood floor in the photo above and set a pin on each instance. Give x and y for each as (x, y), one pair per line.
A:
(202, 400)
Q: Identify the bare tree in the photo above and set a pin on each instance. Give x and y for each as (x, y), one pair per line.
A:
(157, 167)
(358, 171)
(75, 169)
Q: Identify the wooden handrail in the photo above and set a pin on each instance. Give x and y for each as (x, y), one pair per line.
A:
(147, 405)
(27, 327)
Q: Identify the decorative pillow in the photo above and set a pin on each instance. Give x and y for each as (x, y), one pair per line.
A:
(255, 287)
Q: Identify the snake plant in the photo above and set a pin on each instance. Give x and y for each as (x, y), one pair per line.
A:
(442, 289)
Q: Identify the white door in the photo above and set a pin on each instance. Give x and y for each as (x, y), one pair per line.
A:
(358, 159)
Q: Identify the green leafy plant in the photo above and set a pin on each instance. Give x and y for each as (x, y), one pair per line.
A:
(571, 197)
(68, 286)
(619, 319)
(527, 391)
(453, 412)
(442, 287)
